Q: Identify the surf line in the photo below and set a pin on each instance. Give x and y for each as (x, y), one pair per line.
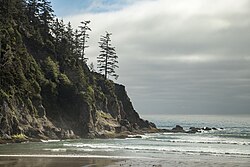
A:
(73, 156)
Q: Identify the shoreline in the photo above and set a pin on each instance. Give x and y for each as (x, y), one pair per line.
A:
(122, 135)
(70, 156)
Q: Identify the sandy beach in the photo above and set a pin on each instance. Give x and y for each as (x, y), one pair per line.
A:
(170, 161)
(186, 161)
(55, 162)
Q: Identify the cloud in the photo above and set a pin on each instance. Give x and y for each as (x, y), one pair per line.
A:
(178, 56)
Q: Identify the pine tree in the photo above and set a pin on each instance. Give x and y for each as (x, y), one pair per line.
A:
(83, 38)
(76, 45)
(58, 31)
(92, 67)
(69, 36)
(46, 16)
(107, 59)
(33, 12)
(5, 10)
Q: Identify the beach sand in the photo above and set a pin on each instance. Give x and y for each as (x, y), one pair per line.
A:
(170, 161)
(55, 162)
(187, 161)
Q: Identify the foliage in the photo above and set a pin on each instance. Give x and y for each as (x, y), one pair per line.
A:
(41, 58)
(64, 79)
(83, 36)
(51, 69)
(20, 136)
(3, 96)
(107, 60)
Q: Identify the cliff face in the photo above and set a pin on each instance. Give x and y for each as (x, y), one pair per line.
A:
(46, 90)
(38, 100)
(103, 110)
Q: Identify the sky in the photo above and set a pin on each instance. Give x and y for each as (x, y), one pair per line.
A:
(175, 56)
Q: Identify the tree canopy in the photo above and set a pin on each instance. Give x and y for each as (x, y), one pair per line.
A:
(107, 59)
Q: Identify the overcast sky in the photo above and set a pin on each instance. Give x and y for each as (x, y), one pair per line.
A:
(175, 56)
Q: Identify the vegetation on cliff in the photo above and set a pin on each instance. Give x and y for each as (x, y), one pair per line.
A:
(46, 90)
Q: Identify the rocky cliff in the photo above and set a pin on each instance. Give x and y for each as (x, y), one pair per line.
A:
(101, 109)
(46, 90)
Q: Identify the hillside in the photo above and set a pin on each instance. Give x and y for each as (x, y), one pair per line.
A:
(46, 91)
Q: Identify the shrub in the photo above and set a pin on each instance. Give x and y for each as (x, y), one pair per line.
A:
(51, 69)
(19, 137)
(64, 79)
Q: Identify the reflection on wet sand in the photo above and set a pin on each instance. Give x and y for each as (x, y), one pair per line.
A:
(54, 162)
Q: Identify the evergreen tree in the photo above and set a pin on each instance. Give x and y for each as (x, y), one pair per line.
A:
(5, 10)
(46, 16)
(12, 9)
(58, 30)
(76, 45)
(91, 67)
(69, 36)
(83, 38)
(107, 59)
(33, 12)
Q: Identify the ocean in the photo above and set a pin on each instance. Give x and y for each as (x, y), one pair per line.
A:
(231, 142)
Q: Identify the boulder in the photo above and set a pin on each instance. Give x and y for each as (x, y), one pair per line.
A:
(193, 130)
(135, 137)
(178, 128)
(206, 128)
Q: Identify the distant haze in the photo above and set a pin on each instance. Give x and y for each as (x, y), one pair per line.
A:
(175, 56)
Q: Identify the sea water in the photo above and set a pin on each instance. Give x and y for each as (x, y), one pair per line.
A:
(232, 139)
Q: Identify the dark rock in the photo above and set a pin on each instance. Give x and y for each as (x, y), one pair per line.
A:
(193, 130)
(165, 130)
(6, 137)
(121, 136)
(107, 127)
(206, 129)
(1, 132)
(69, 134)
(41, 111)
(178, 128)
(127, 110)
(136, 126)
(66, 134)
(50, 134)
(135, 137)
(3, 141)
(118, 129)
(125, 122)
(124, 128)
(32, 132)
(92, 135)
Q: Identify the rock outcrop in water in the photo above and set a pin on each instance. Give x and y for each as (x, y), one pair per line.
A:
(46, 91)
(180, 129)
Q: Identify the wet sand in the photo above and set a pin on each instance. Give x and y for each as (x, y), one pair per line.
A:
(186, 161)
(55, 162)
(170, 161)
